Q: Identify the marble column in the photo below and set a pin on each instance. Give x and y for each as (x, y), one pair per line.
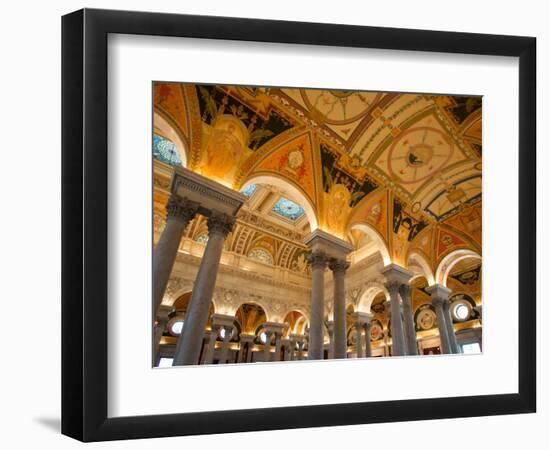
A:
(277, 354)
(180, 211)
(396, 276)
(440, 296)
(339, 267)
(228, 332)
(246, 339)
(455, 348)
(359, 339)
(408, 320)
(318, 262)
(160, 325)
(188, 347)
(368, 343)
(397, 333)
(330, 331)
(286, 345)
(267, 346)
(208, 357)
(300, 343)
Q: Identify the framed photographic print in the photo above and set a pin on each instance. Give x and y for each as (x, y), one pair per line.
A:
(276, 225)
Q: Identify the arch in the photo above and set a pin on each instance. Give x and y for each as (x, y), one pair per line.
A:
(371, 290)
(295, 194)
(255, 303)
(300, 321)
(376, 237)
(169, 132)
(416, 258)
(447, 263)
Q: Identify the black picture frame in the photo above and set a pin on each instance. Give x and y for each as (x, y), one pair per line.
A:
(84, 224)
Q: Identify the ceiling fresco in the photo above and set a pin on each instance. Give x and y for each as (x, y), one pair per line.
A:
(407, 165)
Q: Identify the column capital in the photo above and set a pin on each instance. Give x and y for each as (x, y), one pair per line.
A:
(334, 247)
(273, 327)
(220, 223)
(440, 301)
(438, 291)
(394, 273)
(164, 311)
(181, 209)
(338, 266)
(297, 337)
(392, 287)
(244, 337)
(222, 320)
(318, 260)
(405, 291)
(361, 319)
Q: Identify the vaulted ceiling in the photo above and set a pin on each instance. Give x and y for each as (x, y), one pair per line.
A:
(408, 165)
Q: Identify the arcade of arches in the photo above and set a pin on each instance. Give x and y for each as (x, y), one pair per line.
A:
(294, 224)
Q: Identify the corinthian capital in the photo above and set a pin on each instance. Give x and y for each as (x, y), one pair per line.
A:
(440, 301)
(220, 223)
(392, 287)
(338, 265)
(181, 209)
(405, 292)
(318, 260)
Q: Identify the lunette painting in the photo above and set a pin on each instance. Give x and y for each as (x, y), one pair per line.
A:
(295, 224)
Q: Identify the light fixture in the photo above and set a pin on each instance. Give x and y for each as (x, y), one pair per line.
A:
(462, 312)
(177, 327)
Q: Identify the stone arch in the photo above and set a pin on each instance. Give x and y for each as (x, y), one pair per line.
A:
(447, 263)
(416, 258)
(243, 325)
(294, 192)
(170, 132)
(257, 303)
(370, 291)
(376, 237)
(300, 323)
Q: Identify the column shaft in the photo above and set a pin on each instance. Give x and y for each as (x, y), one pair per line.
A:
(179, 213)
(267, 346)
(368, 343)
(338, 268)
(211, 348)
(188, 347)
(453, 344)
(408, 320)
(397, 335)
(359, 339)
(442, 325)
(225, 345)
(318, 264)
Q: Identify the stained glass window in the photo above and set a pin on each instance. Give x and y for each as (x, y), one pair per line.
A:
(249, 190)
(288, 209)
(262, 255)
(166, 151)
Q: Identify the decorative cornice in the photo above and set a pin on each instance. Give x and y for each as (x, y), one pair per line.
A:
(195, 183)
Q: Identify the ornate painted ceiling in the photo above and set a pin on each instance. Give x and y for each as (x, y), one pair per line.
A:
(407, 166)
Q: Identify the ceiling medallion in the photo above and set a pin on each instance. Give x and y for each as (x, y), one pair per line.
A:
(418, 154)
